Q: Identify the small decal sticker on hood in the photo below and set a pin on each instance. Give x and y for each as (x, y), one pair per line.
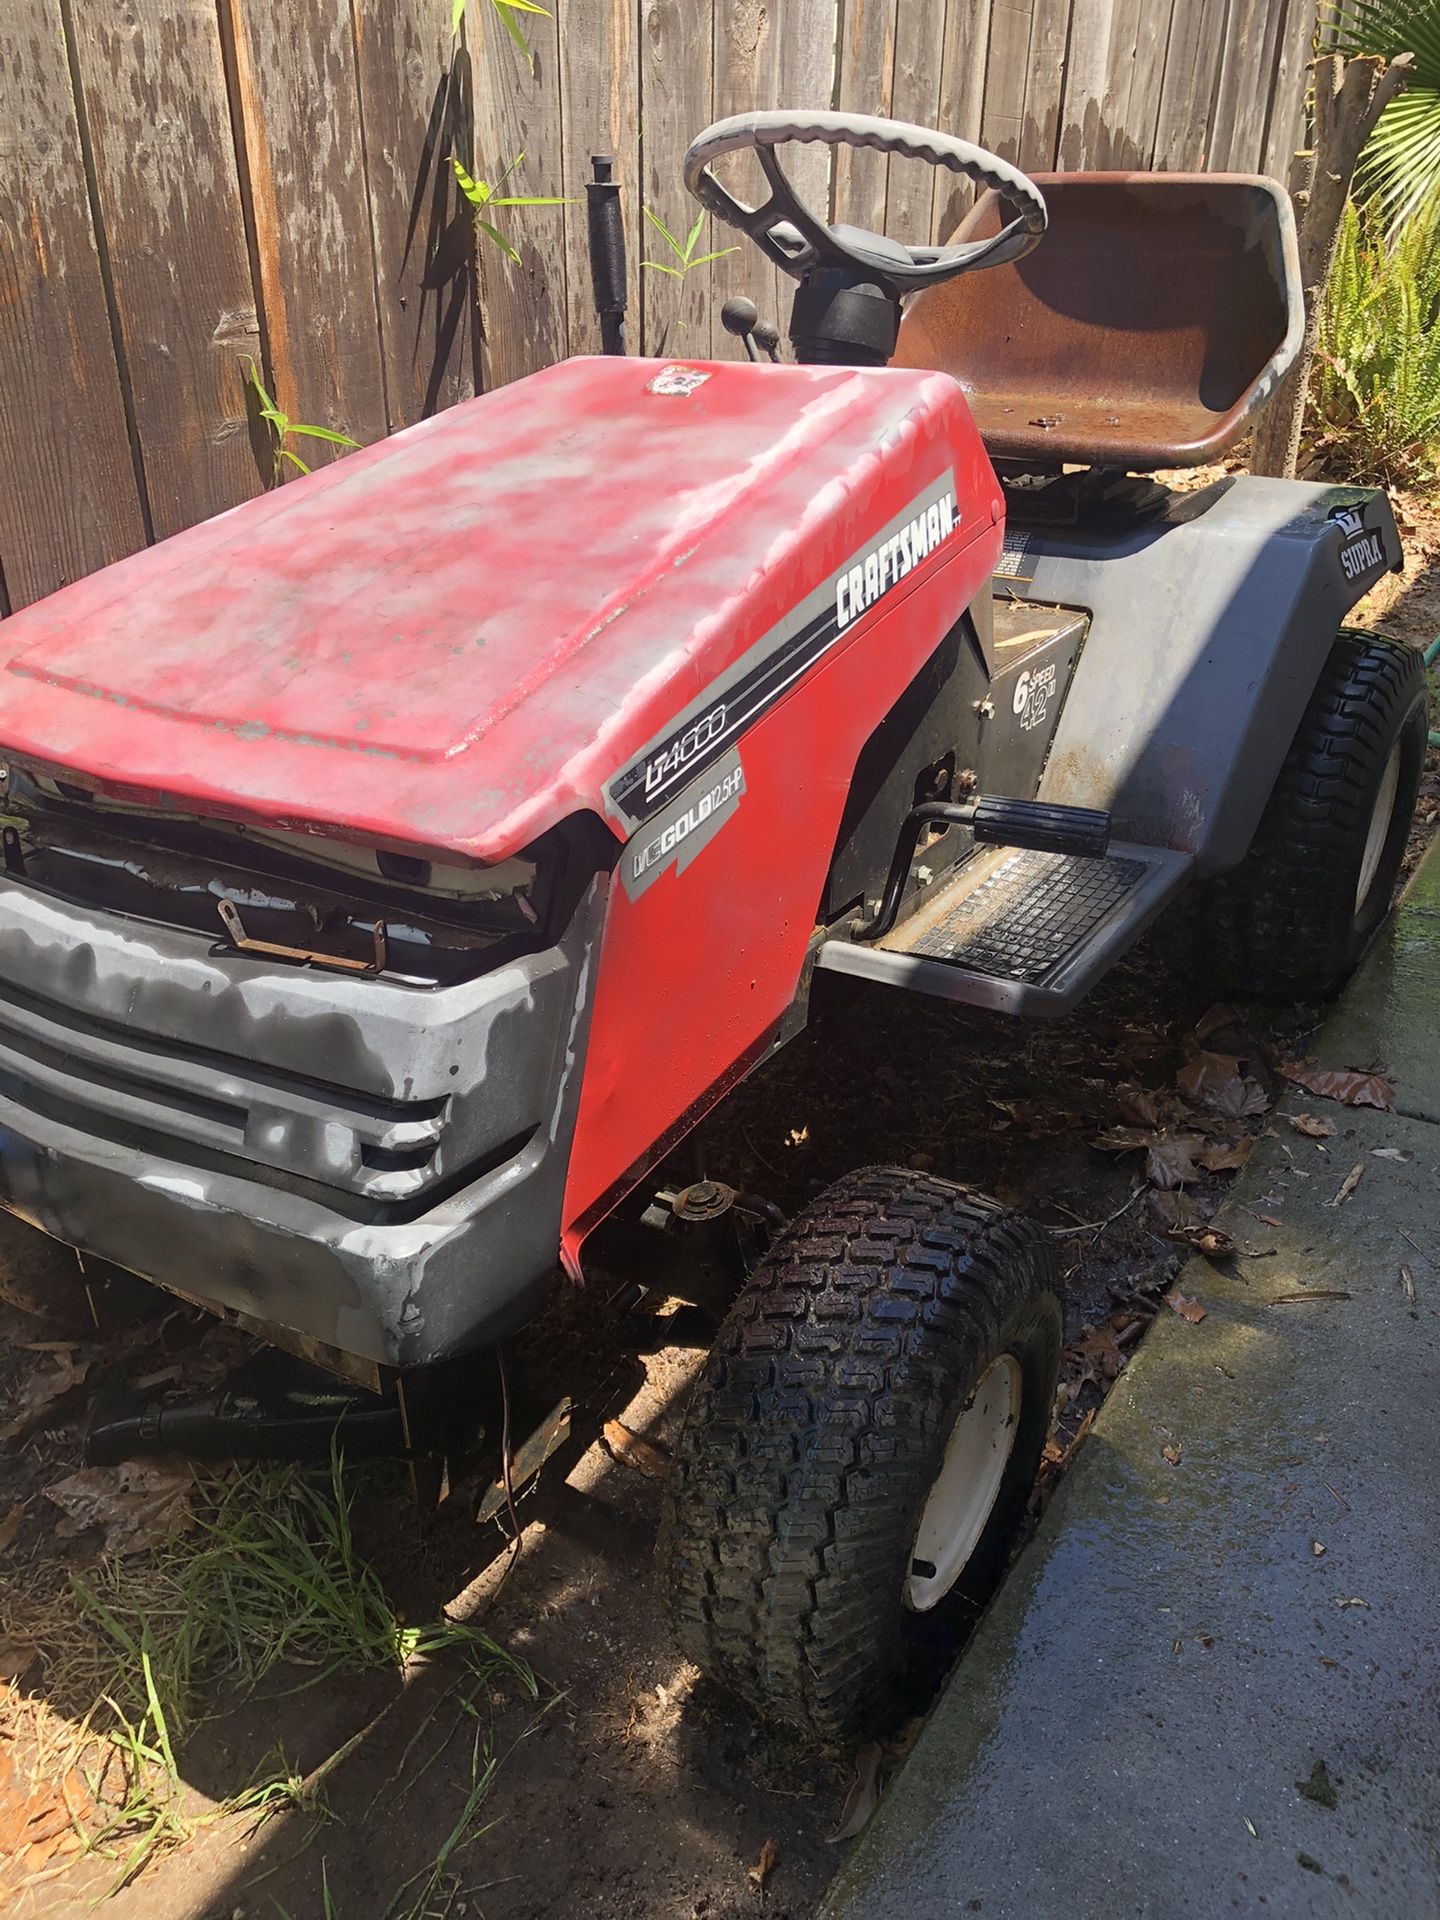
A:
(1361, 550)
(690, 822)
(677, 380)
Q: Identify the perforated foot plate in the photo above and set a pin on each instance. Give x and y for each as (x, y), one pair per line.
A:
(1025, 915)
(1020, 931)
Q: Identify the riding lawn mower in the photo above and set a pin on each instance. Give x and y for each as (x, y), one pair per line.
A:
(399, 866)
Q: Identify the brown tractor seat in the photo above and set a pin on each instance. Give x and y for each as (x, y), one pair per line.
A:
(1153, 319)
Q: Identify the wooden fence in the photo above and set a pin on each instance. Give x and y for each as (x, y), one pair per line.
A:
(192, 187)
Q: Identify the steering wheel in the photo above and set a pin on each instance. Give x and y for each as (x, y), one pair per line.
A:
(788, 233)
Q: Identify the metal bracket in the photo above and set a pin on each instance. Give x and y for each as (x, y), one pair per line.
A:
(235, 928)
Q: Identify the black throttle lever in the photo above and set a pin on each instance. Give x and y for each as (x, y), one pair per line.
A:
(1082, 831)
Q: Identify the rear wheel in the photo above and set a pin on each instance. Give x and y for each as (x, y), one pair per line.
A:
(1293, 919)
(859, 1449)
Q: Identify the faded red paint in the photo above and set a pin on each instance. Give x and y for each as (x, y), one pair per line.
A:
(453, 639)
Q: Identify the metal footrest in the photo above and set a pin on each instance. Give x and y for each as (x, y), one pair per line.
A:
(1020, 931)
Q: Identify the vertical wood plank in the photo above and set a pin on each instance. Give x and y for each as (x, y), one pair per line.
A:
(677, 70)
(298, 104)
(1247, 74)
(68, 496)
(1045, 84)
(153, 82)
(600, 99)
(1002, 119)
(1084, 137)
(865, 84)
(915, 96)
(746, 64)
(1285, 132)
(1187, 92)
(963, 54)
(1152, 43)
(524, 305)
(414, 81)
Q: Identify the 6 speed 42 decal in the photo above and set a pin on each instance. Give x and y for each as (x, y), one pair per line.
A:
(759, 677)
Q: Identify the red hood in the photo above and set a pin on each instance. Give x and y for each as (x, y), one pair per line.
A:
(456, 637)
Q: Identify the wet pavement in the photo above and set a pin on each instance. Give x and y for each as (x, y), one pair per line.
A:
(1210, 1685)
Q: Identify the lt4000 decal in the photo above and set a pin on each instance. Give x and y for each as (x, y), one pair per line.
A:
(691, 821)
(761, 675)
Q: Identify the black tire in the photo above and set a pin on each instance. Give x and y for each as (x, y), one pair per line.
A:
(1287, 923)
(42, 1277)
(816, 1432)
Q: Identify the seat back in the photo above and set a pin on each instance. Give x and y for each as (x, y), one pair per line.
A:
(1150, 323)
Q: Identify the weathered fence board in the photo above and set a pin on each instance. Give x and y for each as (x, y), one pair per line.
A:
(600, 102)
(273, 178)
(153, 84)
(677, 97)
(68, 494)
(314, 256)
(519, 134)
(415, 96)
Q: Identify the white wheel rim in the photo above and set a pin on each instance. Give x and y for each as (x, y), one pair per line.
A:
(1380, 819)
(961, 1500)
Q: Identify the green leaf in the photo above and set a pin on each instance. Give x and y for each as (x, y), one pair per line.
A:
(499, 239)
(268, 409)
(659, 266)
(704, 259)
(512, 27)
(532, 200)
(457, 14)
(294, 459)
(661, 228)
(477, 192)
(694, 234)
(524, 6)
(324, 433)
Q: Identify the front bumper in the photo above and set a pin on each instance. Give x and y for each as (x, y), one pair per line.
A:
(369, 1166)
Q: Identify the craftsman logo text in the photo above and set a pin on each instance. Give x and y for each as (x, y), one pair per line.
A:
(861, 585)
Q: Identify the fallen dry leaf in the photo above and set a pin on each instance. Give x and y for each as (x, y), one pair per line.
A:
(863, 1797)
(1172, 1454)
(1310, 1293)
(1353, 1600)
(1190, 1310)
(1141, 1107)
(1225, 1159)
(10, 1526)
(1317, 1547)
(42, 1392)
(1099, 1356)
(1312, 1128)
(1169, 1157)
(16, 1658)
(1348, 1185)
(1331, 1083)
(1171, 1210)
(1202, 1078)
(139, 1504)
(764, 1866)
(1392, 1153)
(1407, 1281)
(633, 1450)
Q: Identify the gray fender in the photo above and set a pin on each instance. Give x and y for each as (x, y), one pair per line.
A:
(1209, 630)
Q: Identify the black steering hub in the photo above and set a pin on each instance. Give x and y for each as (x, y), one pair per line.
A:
(847, 304)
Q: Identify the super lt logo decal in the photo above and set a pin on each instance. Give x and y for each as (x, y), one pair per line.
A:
(761, 675)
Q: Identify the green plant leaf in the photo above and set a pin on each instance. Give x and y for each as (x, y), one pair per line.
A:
(531, 200)
(659, 266)
(477, 192)
(524, 6)
(294, 459)
(694, 234)
(457, 14)
(1400, 165)
(664, 231)
(324, 433)
(506, 10)
(704, 259)
(501, 242)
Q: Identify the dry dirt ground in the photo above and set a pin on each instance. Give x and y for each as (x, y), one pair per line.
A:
(627, 1788)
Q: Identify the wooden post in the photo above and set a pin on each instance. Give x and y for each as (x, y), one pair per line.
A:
(1350, 96)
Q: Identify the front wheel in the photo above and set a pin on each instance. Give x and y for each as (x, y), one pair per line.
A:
(859, 1449)
(1292, 920)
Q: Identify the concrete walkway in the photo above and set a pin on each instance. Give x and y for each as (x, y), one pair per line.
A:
(1183, 1644)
